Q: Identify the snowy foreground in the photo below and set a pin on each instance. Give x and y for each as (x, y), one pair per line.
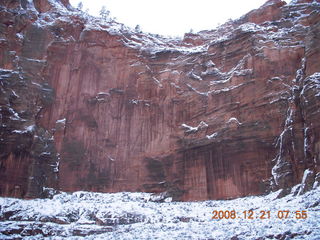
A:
(133, 216)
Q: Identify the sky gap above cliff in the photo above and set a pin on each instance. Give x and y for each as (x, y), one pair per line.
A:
(173, 18)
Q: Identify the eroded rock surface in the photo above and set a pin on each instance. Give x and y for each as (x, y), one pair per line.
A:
(88, 104)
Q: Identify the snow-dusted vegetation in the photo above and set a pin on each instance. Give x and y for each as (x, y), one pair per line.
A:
(145, 216)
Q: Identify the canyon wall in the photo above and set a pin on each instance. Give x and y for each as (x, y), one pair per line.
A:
(89, 104)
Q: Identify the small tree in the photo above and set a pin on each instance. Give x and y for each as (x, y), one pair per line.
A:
(104, 13)
(80, 6)
(137, 28)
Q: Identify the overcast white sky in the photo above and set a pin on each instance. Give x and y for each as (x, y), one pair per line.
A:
(172, 17)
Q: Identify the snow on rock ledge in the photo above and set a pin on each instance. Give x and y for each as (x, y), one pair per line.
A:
(189, 129)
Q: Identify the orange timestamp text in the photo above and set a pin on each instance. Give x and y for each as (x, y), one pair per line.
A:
(263, 214)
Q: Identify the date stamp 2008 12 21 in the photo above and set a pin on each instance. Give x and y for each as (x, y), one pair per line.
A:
(251, 214)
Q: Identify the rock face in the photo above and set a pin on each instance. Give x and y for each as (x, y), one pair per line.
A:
(88, 104)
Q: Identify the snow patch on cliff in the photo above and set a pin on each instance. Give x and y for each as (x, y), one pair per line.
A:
(14, 114)
(223, 83)
(28, 129)
(249, 27)
(213, 135)
(61, 121)
(234, 120)
(312, 82)
(189, 129)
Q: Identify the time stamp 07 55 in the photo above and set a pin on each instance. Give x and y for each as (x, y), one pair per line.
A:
(251, 214)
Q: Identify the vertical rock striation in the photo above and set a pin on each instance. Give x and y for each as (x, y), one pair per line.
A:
(88, 104)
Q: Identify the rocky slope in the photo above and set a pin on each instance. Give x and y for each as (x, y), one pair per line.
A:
(87, 215)
(88, 104)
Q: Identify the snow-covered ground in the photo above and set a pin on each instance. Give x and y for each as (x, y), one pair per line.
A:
(133, 216)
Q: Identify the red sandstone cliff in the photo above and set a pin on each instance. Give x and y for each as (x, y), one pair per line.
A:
(87, 104)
